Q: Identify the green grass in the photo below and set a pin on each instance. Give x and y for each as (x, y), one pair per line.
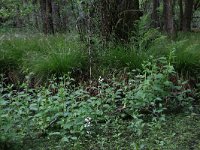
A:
(180, 132)
(57, 63)
(186, 48)
(60, 54)
(120, 57)
(41, 55)
(187, 51)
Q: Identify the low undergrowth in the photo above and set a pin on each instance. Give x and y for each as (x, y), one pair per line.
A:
(41, 55)
(45, 56)
(186, 47)
(77, 116)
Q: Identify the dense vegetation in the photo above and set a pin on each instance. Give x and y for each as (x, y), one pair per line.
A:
(99, 74)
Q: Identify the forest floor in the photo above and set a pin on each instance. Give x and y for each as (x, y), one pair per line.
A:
(179, 132)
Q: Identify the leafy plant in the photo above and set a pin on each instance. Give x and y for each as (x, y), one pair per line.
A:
(145, 36)
(70, 113)
(158, 90)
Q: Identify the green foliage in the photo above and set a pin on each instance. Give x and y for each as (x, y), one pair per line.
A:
(44, 56)
(159, 89)
(145, 37)
(133, 54)
(187, 51)
(121, 57)
(69, 113)
(60, 58)
(11, 9)
(186, 48)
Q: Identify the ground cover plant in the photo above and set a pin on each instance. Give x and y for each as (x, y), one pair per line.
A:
(67, 113)
(126, 108)
(20, 53)
(99, 74)
(44, 56)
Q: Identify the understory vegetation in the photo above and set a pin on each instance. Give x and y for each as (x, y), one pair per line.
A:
(129, 100)
(67, 112)
(46, 56)
(124, 108)
(99, 75)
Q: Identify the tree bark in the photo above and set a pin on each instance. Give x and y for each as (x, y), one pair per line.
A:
(47, 16)
(181, 15)
(57, 16)
(64, 15)
(106, 18)
(35, 13)
(128, 14)
(155, 15)
(118, 18)
(187, 18)
(168, 17)
(26, 4)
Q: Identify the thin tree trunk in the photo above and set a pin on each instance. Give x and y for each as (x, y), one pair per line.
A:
(64, 15)
(155, 15)
(43, 15)
(181, 14)
(57, 16)
(35, 14)
(18, 20)
(26, 4)
(106, 16)
(47, 17)
(168, 17)
(49, 14)
(187, 19)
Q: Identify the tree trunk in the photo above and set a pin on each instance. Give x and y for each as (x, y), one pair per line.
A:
(168, 17)
(64, 15)
(35, 13)
(26, 4)
(187, 19)
(155, 15)
(57, 16)
(47, 16)
(18, 21)
(118, 18)
(128, 13)
(106, 18)
(181, 14)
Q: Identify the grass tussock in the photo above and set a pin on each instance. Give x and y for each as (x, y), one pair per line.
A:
(43, 56)
(186, 48)
(60, 54)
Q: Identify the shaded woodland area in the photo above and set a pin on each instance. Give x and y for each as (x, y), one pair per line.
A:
(99, 74)
(108, 16)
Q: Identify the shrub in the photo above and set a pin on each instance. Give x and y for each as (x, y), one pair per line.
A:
(159, 88)
(72, 113)
(186, 48)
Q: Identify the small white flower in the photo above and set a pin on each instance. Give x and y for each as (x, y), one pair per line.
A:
(88, 120)
(88, 124)
(100, 79)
